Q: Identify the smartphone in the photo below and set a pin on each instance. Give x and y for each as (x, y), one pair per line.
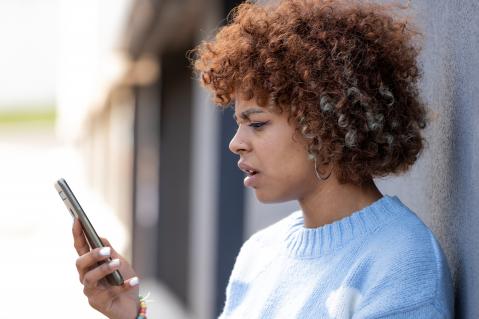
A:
(92, 237)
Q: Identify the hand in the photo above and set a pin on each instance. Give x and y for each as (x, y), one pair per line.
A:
(115, 302)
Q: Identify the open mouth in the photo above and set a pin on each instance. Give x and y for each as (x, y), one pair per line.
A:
(250, 172)
(250, 179)
(247, 169)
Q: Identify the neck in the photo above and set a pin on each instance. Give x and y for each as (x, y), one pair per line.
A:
(332, 201)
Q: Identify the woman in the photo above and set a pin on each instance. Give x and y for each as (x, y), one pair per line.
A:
(326, 99)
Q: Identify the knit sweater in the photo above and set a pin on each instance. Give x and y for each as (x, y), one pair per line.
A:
(380, 262)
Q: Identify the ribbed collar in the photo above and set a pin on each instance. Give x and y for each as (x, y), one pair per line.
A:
(314, 242)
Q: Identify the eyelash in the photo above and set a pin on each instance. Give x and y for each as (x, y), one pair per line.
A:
(257, 125)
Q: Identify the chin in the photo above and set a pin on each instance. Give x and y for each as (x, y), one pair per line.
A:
(271, 198)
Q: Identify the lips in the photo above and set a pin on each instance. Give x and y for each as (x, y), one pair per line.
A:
(249, 170)
(251, 174)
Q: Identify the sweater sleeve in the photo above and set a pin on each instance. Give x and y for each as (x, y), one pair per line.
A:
(414, 282)
(423, 311)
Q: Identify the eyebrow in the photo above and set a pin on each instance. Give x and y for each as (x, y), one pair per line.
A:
(245, 115)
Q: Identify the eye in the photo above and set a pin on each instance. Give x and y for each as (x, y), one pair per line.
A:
(257, 125)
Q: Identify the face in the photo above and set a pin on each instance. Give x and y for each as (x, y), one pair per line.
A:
(273, 157)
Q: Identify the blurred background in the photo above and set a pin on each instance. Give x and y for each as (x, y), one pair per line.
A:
(101, 93)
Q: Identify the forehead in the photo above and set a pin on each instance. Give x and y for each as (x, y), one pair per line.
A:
(241, 105)
(243, 109)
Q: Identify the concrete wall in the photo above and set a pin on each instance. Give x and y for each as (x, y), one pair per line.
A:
(443, 187)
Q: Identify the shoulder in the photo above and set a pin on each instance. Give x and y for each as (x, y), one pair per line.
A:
(406, 266)
(407, 242)
(405, 235)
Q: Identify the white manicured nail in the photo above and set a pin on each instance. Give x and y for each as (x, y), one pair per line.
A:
(134, 281)
(105, 251)
(114, 263)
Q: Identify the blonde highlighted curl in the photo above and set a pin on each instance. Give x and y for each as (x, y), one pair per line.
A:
(344, 71)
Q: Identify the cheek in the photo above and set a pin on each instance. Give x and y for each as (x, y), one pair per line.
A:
(295, 163)
(287, 169)
(288, 178)
(296, 173)
(289, 160)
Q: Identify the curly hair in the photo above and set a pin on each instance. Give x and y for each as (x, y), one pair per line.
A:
(344, 71)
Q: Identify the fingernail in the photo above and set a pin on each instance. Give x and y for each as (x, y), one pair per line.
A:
(105, 251)
(114, 263)
(134, 281)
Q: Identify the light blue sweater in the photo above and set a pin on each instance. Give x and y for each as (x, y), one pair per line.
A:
(380, 262)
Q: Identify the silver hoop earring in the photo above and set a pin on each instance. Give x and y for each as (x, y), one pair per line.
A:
(320, 178)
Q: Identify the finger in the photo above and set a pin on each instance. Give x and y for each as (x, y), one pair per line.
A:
(106, 243)
(130, 284)
(79, 240)
(92, 277)
(87, 261)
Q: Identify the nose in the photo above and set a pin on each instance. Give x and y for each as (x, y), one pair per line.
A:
(238, 143)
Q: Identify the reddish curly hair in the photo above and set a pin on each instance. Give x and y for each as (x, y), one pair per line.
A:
(344, 71)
